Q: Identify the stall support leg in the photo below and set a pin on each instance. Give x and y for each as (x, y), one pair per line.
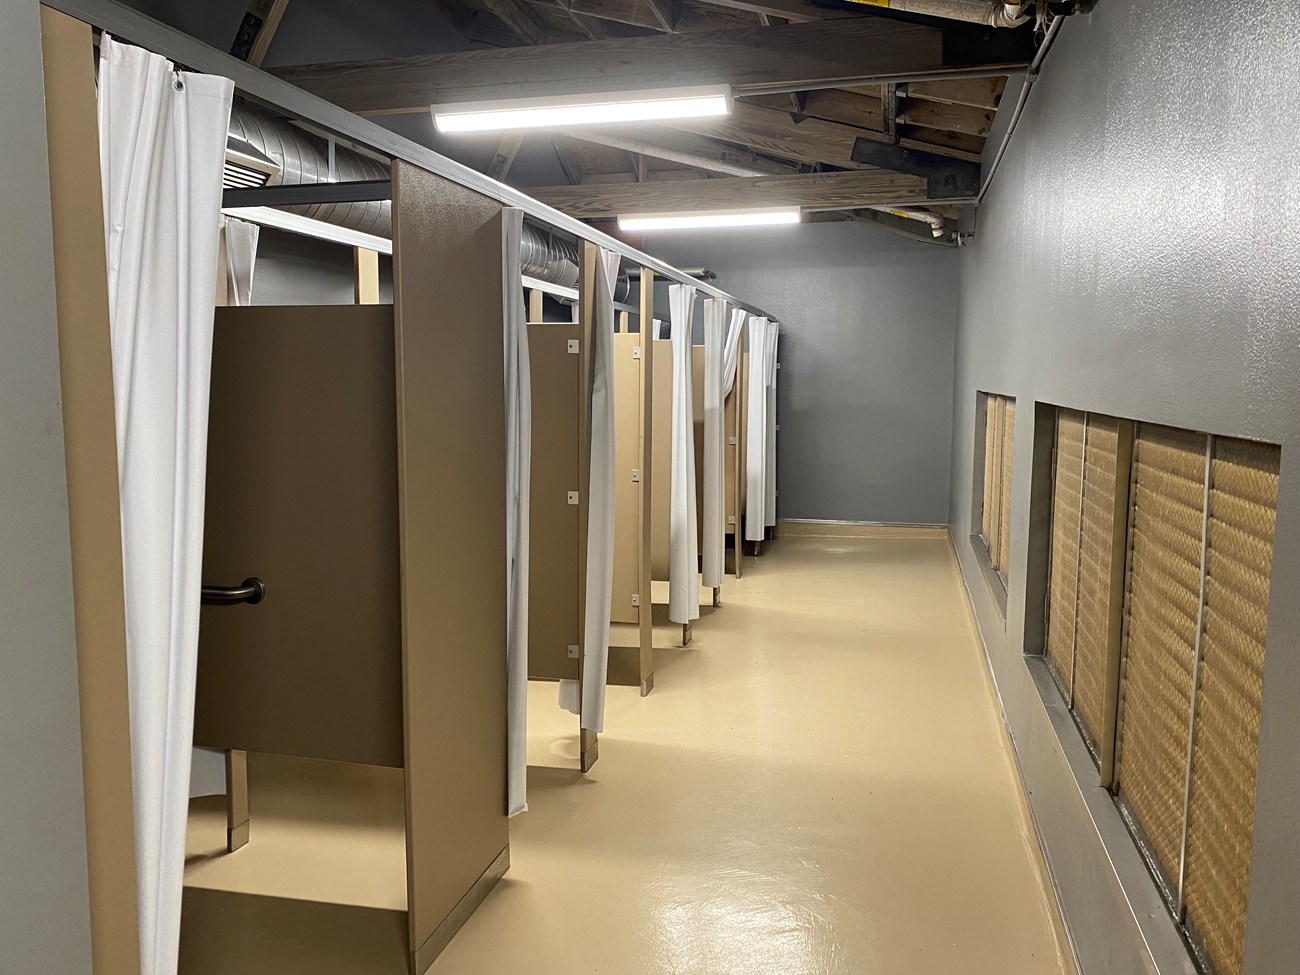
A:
(717, 596)
(590, 745)
(687, 634)
(236, 800)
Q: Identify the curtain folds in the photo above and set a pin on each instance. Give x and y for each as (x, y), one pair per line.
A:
(600, 500)
(519, 440)
(683, 560)
(769, 457)
(240, 240)
(162, 135)
(756, 431)
(731, 357)
(715, 446)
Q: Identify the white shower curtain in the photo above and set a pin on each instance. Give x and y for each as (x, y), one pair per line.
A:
(519, 440)
(683, 557)
(715, 445)
(731, 357)
(600, 500)
(162, 138)
(769, 456)
(240, 238)
(756, 439)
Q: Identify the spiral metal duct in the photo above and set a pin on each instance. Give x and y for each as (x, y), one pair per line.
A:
(304, 158)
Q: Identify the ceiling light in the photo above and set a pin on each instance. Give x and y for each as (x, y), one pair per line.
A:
(709, 219)
(627, 106)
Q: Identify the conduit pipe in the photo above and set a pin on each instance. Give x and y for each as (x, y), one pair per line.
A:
(991, 13)
(935, 220)
(304, 158)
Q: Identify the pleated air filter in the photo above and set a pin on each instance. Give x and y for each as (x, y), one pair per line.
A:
(1164, 601)
(1097, 549)
(1004, 486)
(989, 517)
(1239, 557)
(1067, 502)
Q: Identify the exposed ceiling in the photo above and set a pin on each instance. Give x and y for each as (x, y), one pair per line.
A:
(819, 120)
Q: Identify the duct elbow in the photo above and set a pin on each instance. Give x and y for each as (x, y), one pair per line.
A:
(1009, 14)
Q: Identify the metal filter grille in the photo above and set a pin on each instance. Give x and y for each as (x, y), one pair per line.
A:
(1163, 604)
(1004, 486)
(1096, 546)
(1239, 557)
(1063, 586)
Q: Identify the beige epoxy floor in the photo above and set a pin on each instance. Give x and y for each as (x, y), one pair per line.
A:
(818, 786)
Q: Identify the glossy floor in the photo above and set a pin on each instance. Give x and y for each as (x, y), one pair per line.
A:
(819, 785)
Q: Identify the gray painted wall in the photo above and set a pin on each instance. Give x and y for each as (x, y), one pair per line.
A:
(1139, 255)
(296, 270)
(44, 912)
(867, 342)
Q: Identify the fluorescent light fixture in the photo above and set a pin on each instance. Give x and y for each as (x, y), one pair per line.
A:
(566, 110)
(298, 224)
(709, 219)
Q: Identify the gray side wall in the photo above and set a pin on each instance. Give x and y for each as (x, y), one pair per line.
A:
(867, 338)
(44, 912)
(1139, 256)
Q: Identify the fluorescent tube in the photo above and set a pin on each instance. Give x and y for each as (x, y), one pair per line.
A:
(709, 219)
(627, 106)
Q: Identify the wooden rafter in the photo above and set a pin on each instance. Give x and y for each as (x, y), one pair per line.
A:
(817, 190)
(685, 149)
(258, 30)
(792, 11)
(793, 54)
(504, 157)
(776, 133)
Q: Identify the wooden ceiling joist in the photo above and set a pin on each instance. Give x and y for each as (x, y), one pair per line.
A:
(683, 148)
(794, 54)
(776, 133)
(816, 191)
(794, 11)
(975, 92)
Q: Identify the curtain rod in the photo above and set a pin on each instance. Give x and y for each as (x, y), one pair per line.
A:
(131, 25)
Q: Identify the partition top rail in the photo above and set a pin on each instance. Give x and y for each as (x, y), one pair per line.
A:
(131, 25)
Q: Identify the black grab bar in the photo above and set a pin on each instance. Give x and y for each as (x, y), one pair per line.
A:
(251, 591)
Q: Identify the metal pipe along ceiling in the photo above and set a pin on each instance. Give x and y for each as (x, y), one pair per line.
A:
(991, 13)
(304, 158)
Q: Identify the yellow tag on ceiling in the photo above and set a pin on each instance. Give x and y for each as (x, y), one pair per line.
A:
(871, 3)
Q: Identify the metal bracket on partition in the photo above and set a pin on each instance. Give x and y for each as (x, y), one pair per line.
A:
(636, 352)
(573, 651)
(731, 519)
(573, 346)
(731, 441)
(636, 476)
(636, 599)
(573, 497)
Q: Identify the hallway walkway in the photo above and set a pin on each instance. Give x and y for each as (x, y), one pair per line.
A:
(820, 785)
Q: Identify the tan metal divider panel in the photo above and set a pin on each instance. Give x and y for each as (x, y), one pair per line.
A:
(553, 623)
(1243, 508)
(302, 493)
(742, 455)
(1067, 499)
(1004, 485)
(1164, 598)
(662, 433)
(1096, 549)
(94, 513)
(451, 434)
(627, 493)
